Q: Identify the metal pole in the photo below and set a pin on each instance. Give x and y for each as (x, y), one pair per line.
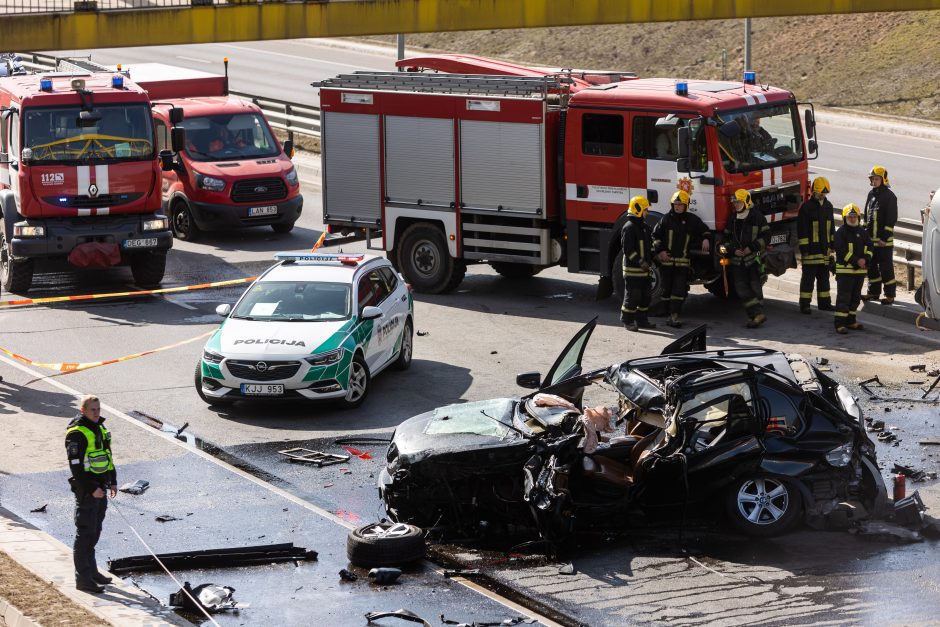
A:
(747, 44)
(401, 46)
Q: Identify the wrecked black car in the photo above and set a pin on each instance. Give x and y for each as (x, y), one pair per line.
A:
(763, 434)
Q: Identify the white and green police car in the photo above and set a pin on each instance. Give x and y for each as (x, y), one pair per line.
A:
(314, 326)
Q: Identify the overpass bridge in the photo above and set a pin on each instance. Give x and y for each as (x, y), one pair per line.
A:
(77, 24)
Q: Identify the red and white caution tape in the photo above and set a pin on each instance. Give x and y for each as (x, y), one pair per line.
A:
(73, 367)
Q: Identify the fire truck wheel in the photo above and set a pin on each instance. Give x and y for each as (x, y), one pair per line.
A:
(426, 262)
(184, 227)
(283, 228)
(16, 275)
(148, 268)
(515, 270)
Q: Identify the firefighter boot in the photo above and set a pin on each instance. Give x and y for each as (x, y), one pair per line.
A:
(643, 321)
(825, 305)
(674, 322)
(856, 326)
(804, 308)
(756, 321)
(842, 330)
(887, 300)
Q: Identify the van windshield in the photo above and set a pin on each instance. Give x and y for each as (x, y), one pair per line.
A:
(228, 137)
(758, 138)
(120, 132)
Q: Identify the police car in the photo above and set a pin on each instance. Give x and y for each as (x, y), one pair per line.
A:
(314, 326)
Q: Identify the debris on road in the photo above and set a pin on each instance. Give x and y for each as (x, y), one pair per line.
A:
(384, 575)
(309, 456)
(515, 620)
(214, 558)
(918, 368)
(929, 442)
(461, 572)
(407, 615)
(917, 476)
(39, 510)
(138, 487)
(208, 596)
(165, 518)
(909, 511)
(358, 453)
(345, 575)
(566, 569)
(879, 529)
(362, 441)
(423, 333)
(385, 544)
(822, 361)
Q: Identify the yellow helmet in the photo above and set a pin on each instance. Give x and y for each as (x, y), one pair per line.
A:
(680, 196)
(851, 208)
(744, 196)
(821, 185)
(639, 205)
(880, 171)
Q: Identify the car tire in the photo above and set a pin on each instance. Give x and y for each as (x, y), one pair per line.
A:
(406, 350)
(284, 227)
(515, 270)
(16, 275)
(385, 544)
(182, 222)
(763, 505)
(426, 262)
(208, 400)
(619, 285)
(360, 378)
(148, 268)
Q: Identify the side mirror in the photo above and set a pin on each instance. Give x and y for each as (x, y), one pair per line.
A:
(289, 148)
(684, 142)
(812, 146)
(224, 310)
(167, 160)
(529, 380)
(810, 123)
(370, 313)
(178, 139)
(176, 115)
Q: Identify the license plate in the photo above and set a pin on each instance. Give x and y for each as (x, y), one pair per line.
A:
(262, 389)
(262, 211)
(779, 238)
(144, 242)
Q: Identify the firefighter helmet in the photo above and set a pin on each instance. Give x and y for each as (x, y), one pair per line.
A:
(882, 172)
(821, 185)
(680, 196)
(639, 205)
(851, 208)
(742, 195)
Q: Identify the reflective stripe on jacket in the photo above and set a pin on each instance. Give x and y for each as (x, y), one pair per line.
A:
(814, 228)
(852, 244)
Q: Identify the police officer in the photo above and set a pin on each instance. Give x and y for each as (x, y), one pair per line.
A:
(745, 239)
(881, 214)
(672, 237)
(636, 239)
(88, 445)
(853, 256)
(814, 228)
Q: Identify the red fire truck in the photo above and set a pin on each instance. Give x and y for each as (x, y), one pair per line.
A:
(462, 160)
(79, 177)
(233, 171)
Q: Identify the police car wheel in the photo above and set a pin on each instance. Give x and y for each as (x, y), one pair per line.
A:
(358, 386)
(208, 400)
(407, 348)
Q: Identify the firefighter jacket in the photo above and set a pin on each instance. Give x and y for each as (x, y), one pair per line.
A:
(88, 445)
(637, 242)
(676, 233)
(881, 214)
(815, 229)
(750, 231)
(852, 243)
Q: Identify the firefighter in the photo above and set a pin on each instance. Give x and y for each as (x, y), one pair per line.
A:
(881, 214)
(853, 256)
(814, 229)
(673, 235)
(745, 239)
(636, 239)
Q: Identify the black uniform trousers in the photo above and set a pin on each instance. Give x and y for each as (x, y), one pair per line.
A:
(675, 286)
(89, 516)
(749, 286)
(848, 297)
(636, 299)
(815, 274)
(881, 272)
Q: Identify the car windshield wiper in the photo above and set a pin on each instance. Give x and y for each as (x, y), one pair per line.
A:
(243, 317)
(513, 427)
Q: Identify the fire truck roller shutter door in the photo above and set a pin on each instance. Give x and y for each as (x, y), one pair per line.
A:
(419, 161)
(502, 164)
(351, 187)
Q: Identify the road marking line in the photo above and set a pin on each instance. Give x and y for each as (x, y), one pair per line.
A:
(296, 500)
(887, 152)
(192, 59)
(173, 301)
(308, 59)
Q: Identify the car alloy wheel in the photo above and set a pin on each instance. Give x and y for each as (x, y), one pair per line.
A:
(763, 500)
(358, 386)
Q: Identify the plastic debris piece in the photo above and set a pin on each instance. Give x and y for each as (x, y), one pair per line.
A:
(138, 487)
(407, 615)
(822, 361)
(211, 597)
(566, 569)
(461, 572)
(345, 575)
(918, 367)
(384, 575)
(165, 518)
(317, 458)
(213, 558)
(423, 333)
(39, 510)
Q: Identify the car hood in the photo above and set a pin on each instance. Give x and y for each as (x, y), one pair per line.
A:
(269, 339)
(244, 168)
(456, 428)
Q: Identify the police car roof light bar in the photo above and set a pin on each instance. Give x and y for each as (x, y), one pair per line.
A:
(345, 259)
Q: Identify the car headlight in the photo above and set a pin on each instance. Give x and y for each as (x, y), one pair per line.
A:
(210, 183)
(157, 224)
(325, 359)
(840, 457)
(292, 177)
(211, 357)
(21, 229)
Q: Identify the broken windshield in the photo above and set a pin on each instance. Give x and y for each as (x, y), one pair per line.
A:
(54, 134)
(758, 138)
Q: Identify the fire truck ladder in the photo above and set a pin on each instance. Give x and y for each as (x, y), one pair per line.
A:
(470, 84)
(80, 65)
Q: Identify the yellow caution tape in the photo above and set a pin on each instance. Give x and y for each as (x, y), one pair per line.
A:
(63, 367)
(165, 290)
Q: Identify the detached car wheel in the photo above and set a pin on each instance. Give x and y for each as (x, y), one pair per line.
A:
(762, 505)
(358, 386)
(385, 544)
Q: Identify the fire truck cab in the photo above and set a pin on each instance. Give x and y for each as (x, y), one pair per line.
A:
(484, 161)
(79, 177)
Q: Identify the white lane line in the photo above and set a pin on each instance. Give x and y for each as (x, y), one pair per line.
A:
(887, 152)
(172, 301)
(272, 488)
(819, 167)
(307, 59)
(179, 56)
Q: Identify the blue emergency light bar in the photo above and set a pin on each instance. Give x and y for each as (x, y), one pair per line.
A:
(45, 84)
(750, 77)
(682, 88)
(117, 81)
(345, 259)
